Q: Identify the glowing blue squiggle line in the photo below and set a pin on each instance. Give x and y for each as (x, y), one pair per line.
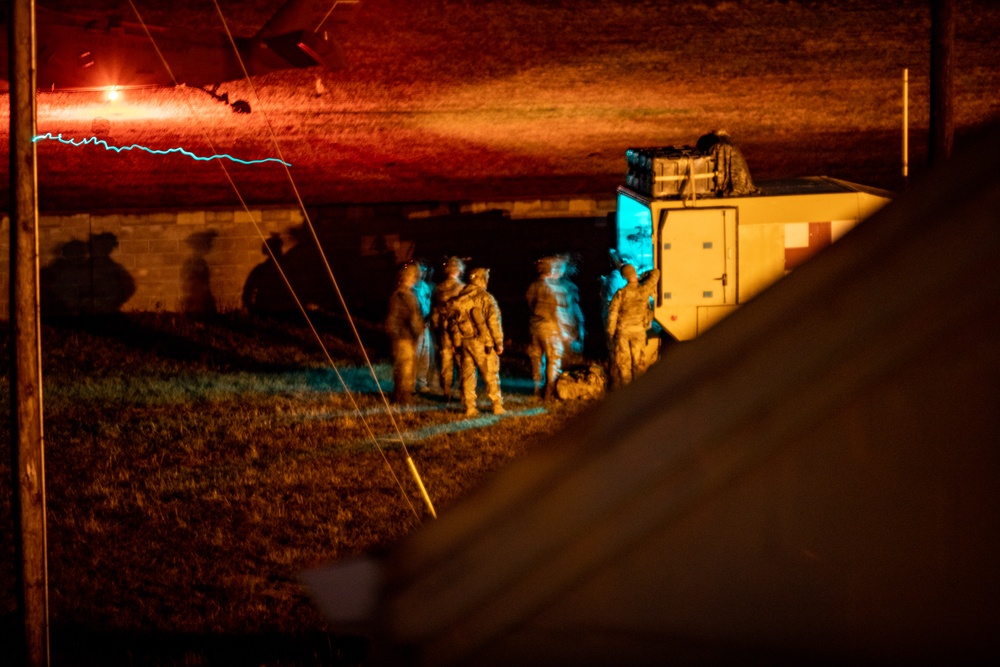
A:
(154, 151)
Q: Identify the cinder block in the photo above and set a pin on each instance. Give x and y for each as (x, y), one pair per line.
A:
(189, 218)
(242, 217)
(160, 218)
(74, 221)
(227, 244)
(128, 246)
(220, 216)
(277, 214)
(230, 259)
(161, 246)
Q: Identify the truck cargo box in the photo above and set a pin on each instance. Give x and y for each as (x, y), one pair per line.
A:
(670, 171)
(716, 253)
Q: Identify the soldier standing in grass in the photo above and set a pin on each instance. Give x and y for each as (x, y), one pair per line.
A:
(610, 284)
(404, 324)
(425, 348)
(545, 300)
(629, 316)
(444, 291)
(572, 314)
(476, 327)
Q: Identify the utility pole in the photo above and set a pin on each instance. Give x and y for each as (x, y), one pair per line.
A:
(942, 125)
(28, 465)
(906, 124)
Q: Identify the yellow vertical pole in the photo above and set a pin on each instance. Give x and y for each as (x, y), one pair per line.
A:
(420, 483)
(906, 123)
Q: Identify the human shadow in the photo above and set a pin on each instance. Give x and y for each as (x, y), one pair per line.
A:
(265, 292)
(85, 280)
(196, 280)
(287, 282)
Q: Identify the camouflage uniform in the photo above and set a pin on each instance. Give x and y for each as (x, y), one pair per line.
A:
(404, 325)
(425, 348)
(732, 174)
(629, 317)
(610, 284)
(477, 324)
(442, 294)
(546, 300)
(572, 321)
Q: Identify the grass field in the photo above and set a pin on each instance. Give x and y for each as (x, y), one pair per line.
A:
(195, 467)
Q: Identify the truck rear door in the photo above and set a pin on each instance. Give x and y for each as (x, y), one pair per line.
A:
(697, 257)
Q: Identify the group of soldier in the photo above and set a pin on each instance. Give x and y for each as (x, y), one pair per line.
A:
(459, 324)
(460, 320)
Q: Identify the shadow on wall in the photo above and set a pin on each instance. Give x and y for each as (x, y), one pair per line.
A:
(265, 292)
(196, 281)
(84, 280)
(366, 278)
(365, 253)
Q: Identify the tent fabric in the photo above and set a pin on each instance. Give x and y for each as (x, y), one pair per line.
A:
(814, 478)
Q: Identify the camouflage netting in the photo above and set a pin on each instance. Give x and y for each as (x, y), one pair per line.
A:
(732, 177)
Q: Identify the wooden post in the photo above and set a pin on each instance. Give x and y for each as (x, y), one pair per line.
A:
(906, 123)
(942, 125)
(28, 465)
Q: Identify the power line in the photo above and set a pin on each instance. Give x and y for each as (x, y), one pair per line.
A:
(326, 263)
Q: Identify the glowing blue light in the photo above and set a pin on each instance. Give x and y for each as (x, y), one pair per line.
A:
(154, 151)
(465, 424)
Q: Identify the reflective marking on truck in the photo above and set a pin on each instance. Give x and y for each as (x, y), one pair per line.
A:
(803, 240)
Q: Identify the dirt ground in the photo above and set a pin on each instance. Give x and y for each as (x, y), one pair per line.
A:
(465, 100)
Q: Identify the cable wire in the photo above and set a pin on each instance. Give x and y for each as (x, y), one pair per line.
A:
(322, 254)
(287, 282)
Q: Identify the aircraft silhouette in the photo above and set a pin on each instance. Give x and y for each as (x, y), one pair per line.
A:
(105, 53)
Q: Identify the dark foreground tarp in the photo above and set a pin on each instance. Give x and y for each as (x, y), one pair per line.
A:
(816, 478)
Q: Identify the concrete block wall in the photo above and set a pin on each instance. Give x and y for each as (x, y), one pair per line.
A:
(148, 261)
(200, 260)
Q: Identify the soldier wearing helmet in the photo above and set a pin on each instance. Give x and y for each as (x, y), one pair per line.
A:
(404, 324)
(629, 317)
(546, 298)
(444, 291)
(732, 175)
(611, 282)
(476, 328)
(425, 347)
(571, 314)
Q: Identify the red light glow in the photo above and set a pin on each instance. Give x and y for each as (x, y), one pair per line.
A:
(57, 109)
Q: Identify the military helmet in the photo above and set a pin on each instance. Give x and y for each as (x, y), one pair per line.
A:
(549, 264)
(479, 275)
(410, 271)
(454, 262)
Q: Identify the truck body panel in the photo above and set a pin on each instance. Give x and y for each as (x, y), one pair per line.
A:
(716, 253)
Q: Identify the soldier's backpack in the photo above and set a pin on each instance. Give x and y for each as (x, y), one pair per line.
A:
(460, 321)
(581, 383)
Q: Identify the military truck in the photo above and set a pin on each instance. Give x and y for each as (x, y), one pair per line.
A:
(717, 252)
